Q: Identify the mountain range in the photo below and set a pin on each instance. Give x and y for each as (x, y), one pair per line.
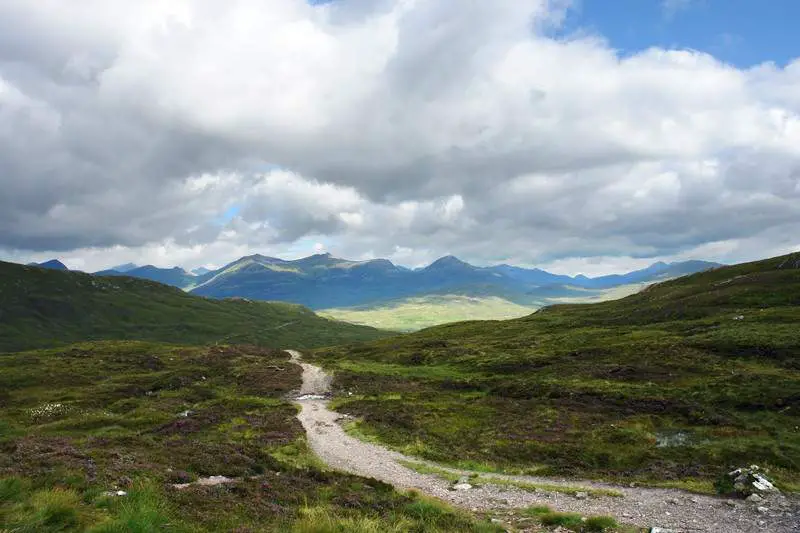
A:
(322, 281)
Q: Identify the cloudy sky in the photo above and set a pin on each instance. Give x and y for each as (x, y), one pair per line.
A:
(569, 135)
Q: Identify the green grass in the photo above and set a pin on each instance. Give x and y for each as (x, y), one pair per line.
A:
(93, 417)
(419, 514)
(478, 480)
(42, 308)
(411, 314)
(572, 521)
(666, 386)
(548, 487)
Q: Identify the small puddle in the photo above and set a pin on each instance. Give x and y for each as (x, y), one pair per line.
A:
(305, 397)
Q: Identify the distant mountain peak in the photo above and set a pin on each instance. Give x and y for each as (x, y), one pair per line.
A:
(126, 267)
(449, 261)
(53, 264)
(319, 260)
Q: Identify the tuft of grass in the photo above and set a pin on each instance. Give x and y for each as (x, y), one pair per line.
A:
(537, 510)
(12, 489)
(573, 521)
(422, 515)
(47, 511)
(600, 524)
(143, 510)
(323, 520)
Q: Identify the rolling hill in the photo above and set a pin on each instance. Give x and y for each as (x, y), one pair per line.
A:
(673, 385)
(40, 307)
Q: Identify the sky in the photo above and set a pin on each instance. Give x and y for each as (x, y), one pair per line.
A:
(578, 136)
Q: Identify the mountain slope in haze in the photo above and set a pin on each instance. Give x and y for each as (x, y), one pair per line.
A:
(323, 281)
(41, 307)
(125, 267)
(176, 276)
(681, 381)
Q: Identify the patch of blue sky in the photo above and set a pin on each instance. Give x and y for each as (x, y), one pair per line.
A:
(228, 215)
(742, 33)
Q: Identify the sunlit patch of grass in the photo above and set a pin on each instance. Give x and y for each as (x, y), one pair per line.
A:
(698, 486)
(415, 313)
(298, 455)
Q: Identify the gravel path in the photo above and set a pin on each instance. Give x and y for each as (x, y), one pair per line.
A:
(665, 508)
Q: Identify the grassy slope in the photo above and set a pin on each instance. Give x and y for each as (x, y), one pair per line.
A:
(667, 384)
(40, 307)
(412, 314)
(81, 420)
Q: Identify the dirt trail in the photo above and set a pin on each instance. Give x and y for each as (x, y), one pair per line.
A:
(664, 508)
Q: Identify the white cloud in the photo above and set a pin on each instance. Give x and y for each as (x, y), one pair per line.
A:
(405, 129)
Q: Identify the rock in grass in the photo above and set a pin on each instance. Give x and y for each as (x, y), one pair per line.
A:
(747, 481)
(581, 495)
(754, 498)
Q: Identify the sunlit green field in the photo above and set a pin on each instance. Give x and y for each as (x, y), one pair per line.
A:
(417, 313)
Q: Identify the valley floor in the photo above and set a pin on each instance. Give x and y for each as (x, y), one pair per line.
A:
(501, 495)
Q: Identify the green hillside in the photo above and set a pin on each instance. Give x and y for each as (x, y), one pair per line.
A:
(81, 422)
(41, 307)
(672, 385)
